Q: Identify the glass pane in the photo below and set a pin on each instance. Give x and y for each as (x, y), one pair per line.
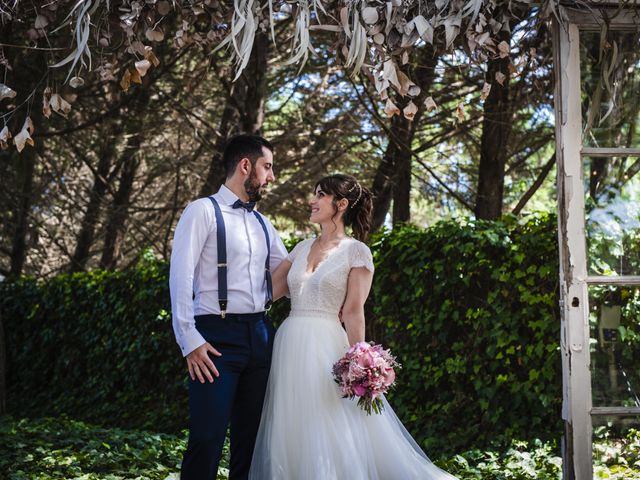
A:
(610, 80)
(614, 319)
(616, 447)
(612, 209)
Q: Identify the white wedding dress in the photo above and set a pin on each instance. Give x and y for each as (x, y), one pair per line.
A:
(308, 431)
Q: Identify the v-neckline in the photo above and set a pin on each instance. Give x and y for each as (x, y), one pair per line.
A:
(329, 253)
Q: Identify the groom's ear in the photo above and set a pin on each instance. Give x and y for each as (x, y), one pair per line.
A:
(244, 166)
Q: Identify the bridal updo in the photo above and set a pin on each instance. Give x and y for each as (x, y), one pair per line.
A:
(358, 212)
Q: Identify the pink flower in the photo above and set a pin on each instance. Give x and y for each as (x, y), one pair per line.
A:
(359, 390)
(366, 371)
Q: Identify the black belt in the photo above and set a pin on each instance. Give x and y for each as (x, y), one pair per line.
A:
(238, 317)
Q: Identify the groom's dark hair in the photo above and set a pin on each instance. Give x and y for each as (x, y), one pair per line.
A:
(243, 146)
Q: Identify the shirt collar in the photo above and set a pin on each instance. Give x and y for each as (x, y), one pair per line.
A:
(226, 195)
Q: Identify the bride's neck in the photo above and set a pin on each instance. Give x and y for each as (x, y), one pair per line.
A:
(331, 232)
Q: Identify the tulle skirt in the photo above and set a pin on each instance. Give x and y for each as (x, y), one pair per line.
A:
(309, 432)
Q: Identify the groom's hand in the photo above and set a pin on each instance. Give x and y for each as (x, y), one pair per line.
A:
(200, 364)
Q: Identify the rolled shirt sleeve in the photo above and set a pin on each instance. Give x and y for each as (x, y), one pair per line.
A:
(195, 225)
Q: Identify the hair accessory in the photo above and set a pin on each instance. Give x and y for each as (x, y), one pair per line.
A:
(359, 193)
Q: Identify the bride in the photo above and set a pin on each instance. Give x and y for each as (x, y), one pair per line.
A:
(308, 431)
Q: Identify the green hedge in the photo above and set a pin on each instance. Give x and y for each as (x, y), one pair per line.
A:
(470, 309)
(98, 346)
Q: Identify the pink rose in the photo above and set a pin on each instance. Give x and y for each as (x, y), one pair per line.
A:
(359, 390)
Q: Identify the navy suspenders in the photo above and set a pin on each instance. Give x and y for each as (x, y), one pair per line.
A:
(221, 238)
(267, 267)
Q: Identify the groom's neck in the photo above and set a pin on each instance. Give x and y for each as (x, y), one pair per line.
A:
(237, 187)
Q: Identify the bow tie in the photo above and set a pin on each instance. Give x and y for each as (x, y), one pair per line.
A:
(248, 206)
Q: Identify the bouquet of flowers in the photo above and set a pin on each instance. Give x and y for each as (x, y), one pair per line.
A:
(366, 371)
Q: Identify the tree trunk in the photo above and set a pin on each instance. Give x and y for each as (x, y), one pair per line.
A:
(217, 174)
(86, 236)
(243, 111)
(115, 230)
(26, 166)
(255, 86)
(496, 128)
(29, 68)
(117, 221)
(402, 184)
(382, 188)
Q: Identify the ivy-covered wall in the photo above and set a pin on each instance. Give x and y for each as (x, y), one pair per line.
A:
(470, 309)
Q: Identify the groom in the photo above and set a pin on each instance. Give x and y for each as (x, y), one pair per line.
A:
(220, 281)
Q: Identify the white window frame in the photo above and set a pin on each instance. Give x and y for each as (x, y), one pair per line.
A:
(577, 408)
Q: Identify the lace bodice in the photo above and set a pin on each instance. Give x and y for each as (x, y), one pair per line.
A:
(323, 291)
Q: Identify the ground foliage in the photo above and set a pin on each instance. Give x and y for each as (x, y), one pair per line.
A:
(60, 448)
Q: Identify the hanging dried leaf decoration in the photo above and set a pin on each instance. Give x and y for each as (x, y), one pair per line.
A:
(5, 136)
(76, 82)
(125, 82)
(6, 92)
(430, 104)
(410, 111)
(370, 15)
(503, 49)
(391, 108)
(142, 67)
(486, 88)
(135, 76)
(24, 137)
(59, 105)
(163, 7)
(149, 55)
(46, 105)
(500, 78)
(154, 35)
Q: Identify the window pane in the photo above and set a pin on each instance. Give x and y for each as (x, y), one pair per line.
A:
(612, 208)
(616, 447)
(614, 319)
(610, 80)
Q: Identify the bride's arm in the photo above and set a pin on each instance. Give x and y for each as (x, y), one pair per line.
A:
(279, 280)
(358, 287)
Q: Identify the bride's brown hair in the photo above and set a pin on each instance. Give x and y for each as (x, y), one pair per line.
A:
(358, 212)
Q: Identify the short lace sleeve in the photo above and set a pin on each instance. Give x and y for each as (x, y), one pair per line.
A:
(293, 253)
(361, 256)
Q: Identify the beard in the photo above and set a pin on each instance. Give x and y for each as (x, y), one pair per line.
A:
(253, 188)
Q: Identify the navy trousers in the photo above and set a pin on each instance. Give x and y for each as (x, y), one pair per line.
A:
(234, 398)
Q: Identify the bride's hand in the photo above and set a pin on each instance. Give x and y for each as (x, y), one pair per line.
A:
(200, 364)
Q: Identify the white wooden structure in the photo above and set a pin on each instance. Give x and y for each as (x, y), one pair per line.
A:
(575, 149)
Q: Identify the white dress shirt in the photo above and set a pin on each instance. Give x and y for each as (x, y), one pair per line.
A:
(193, 277)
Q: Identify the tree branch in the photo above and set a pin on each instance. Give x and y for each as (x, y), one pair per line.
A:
(536, 185)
